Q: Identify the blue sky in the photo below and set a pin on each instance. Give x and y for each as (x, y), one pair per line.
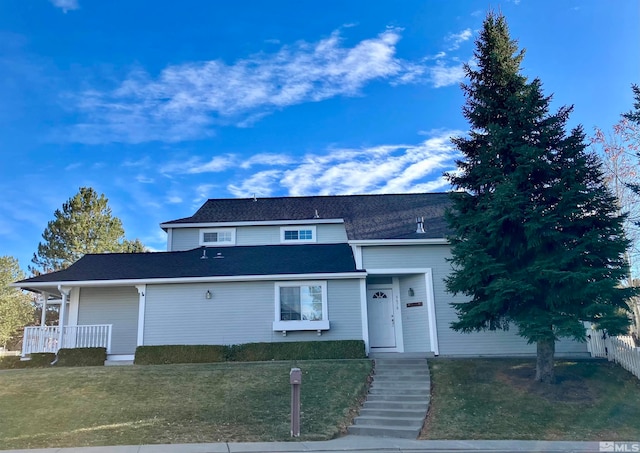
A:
(161, 105)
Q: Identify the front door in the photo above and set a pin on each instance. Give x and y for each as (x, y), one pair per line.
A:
(382, 326)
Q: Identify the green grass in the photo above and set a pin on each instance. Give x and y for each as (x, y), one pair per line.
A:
(498, 399)
(90, 406)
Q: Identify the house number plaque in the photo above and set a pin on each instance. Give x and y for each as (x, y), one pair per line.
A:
(414, 304)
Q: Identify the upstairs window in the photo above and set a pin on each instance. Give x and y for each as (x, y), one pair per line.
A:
(298, 234)
(218, 236)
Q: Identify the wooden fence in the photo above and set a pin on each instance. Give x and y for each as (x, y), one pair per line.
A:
(620, 349)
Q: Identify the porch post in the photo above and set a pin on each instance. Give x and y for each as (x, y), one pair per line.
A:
(63, 307)
(142, 300)
(431, 310)
(43, 317)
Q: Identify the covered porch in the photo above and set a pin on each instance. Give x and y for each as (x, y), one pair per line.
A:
(67, 334)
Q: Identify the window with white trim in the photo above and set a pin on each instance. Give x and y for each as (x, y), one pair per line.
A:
(298, 234)
(218, 236)
(301, 306)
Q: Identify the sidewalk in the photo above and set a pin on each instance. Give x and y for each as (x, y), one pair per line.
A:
(345, 444)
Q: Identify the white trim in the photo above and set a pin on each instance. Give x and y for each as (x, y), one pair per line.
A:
(397, 315)
(202, 231)
(400, 270)
(364, 314)
(233, 278)
(282, 325)
(64, 290)
(43, 316)
(169, 239)
(74, 307)
(249, 223)
(374, 242)
(142, 301)
(431, 306)
(357, 255)
(298, 228)
(394, 287)
(431, 310)
(286, 326)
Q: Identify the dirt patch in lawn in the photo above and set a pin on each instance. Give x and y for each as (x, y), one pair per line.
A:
(568, 387)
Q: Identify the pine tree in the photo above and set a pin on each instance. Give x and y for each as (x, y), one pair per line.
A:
(84, 225)
(537, 243)
(634, 116)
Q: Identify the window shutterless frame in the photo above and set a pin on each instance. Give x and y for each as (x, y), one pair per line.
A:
(217, 236)
(296, 306)
(298, 234)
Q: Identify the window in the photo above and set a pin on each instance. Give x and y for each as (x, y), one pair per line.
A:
(298, 234)
(219, 236)
(301, 306)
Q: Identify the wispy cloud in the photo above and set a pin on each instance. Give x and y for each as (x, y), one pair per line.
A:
(65, 5)
(456, 39)
(443, 75)
(379, 169)
(261, 184)
(188, 101)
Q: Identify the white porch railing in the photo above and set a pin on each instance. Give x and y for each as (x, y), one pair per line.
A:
(45, 339)
(620, 349)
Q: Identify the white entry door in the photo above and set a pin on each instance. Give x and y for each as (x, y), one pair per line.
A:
(382, 326)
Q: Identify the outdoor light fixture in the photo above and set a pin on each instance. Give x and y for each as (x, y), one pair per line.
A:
(207, 294)
(411, 293)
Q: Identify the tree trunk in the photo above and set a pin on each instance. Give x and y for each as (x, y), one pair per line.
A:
(544, 361)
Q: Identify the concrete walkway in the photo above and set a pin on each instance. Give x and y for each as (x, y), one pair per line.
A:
(348, 444)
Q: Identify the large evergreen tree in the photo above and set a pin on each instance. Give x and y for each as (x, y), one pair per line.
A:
(634, 116)
(84, 225)
(537, 243)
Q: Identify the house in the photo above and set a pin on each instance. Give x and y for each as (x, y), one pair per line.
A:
(366, 267)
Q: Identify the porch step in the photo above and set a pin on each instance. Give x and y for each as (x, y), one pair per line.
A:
(398, 400)
(118, 362)
(385, 431)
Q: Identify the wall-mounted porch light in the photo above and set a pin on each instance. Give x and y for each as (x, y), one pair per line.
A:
(207, 295)
(411, 292)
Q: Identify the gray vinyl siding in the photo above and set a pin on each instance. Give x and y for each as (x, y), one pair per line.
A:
(450, 342)
(415, 320)
(239, 312)
(114, 305)
(184, 239)
(189, 238)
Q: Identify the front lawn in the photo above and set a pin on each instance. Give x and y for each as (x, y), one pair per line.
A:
(498, 399)
(90, 406)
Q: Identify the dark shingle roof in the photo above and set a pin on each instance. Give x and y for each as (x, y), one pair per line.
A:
(236, 261)
(385, 216)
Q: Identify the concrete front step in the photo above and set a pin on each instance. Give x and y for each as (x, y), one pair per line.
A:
(402, 371)
(397, 398)
(415, 376)
(385, 431)
(397, 401)
(411, 405)
(387, 412)
(424, 392)
(378, 420)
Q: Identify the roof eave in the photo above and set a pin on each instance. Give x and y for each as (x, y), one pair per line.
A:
(426, 241)
(210, 279)
(167, 225)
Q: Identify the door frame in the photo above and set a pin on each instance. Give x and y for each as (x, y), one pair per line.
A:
(397, 314)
